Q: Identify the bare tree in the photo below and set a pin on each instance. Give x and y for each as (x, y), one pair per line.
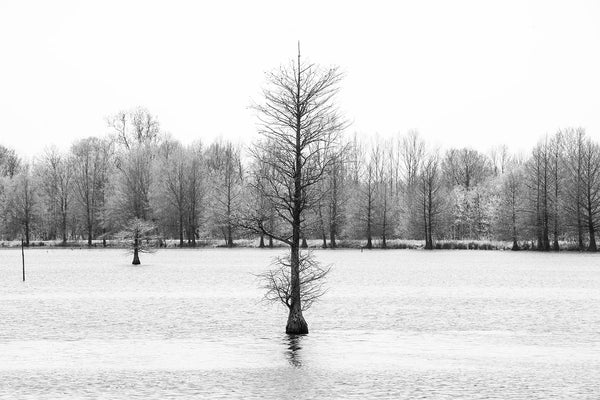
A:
(430, 186)
(499, 158)
(136, 134)
(56, 173)
(140, 237)
(9, 162)
(134, 127)
(369, 189)
(412, 152)
(300, 127)
(574, 140)
(539, 181)
(91, 169)
(172, 188)
(384, 173)
(556, 183)
(226, 175)
(22, 204)
(511, 202)
(196, 191)
(591, 187)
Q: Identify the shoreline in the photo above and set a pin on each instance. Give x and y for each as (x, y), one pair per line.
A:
(313, 244)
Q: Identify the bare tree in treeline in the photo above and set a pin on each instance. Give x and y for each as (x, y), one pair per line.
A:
(412, 152)
(368, 194)
(511, 202)
(22, 205)
(136, 133)
(574, 140)
(179, 193)
(9, 162)
(591, 189)
(196, 191)
(56, 178)
(538, 169)
(300, 128)
(172, 191)
(429, 194)
(92, 161)
(336, 199)
(226, 177)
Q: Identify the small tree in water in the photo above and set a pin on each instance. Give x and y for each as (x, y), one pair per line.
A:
(140, 237)
(278, 281)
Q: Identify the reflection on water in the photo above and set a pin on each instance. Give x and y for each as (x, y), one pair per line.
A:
(394, 324)
(293, 350)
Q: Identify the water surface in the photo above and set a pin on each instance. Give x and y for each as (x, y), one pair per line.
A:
(394, 324)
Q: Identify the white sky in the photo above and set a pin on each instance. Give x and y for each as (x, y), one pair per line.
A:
(463, 73)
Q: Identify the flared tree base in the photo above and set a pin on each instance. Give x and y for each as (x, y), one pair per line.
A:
(136, 258)
(296, 324)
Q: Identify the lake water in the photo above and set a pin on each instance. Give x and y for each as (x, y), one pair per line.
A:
(394, 324)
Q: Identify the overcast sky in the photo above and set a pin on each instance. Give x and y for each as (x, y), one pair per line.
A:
(463, 73)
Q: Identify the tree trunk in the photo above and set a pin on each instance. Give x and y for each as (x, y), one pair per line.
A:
(64, 229)
(27, 233)
(229, 236)
(89, 232)
(136, 257)
(261, 244)
(592, 232)
(270, 242)
(296, 323)
(304, 243)
(515, 245)
(181, 240)
(332, 242)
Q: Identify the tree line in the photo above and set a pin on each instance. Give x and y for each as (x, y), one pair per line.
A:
(372, 189)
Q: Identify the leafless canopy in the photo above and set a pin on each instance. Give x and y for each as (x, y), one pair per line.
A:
(278, 283)
(300, 128)
(139, 235)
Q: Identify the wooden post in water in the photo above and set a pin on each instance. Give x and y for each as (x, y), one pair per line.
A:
(23, 258)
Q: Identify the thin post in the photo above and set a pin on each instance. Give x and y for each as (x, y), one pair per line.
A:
(23, 258)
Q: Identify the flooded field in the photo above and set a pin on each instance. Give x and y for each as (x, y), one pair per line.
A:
(394, 324)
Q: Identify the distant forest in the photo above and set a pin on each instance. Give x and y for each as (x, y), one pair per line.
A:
(375, 190)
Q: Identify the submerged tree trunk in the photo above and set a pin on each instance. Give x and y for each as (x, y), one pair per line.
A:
(296, 323)
(136, 257)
